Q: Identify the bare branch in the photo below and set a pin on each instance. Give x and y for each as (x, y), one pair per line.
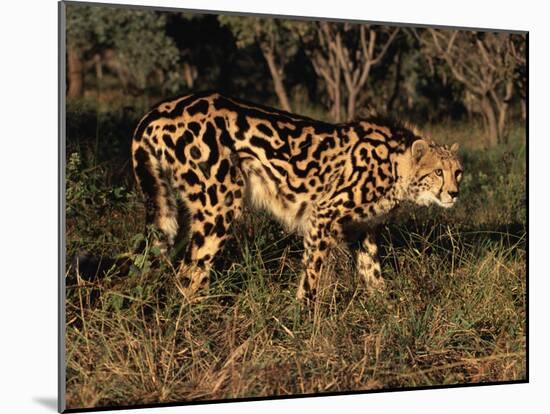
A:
(484, 54)
(385, 47)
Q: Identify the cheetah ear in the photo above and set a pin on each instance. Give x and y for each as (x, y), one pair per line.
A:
(419, 148)
(454, 148)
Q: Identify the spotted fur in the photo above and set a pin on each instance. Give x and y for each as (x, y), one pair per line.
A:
(325, 181)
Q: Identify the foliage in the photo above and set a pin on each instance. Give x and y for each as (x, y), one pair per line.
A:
(350, 69)
(137, 37)
(84, 189)
(266, 32)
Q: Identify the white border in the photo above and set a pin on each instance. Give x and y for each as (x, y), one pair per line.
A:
(28, 171)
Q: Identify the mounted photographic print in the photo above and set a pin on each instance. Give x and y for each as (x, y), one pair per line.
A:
(257, 207)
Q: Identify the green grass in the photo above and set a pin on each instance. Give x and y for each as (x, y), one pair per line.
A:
(454, 311)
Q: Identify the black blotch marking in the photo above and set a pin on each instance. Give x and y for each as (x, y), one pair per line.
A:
(327, 143)
(199, 107)
(198, 216)
(195, 152)
(209, 138)
(168, 157)
(197, 239)
(381, 173)
(198, 196)
(222, 170)
(270, 152)
(228, 199)
(149, 146)
(190, 177)
(264, 129)
(168, 140)
(229, 216)
(213, 194)
(242, 124)
(169, 128)
(147, 183)
(180, 149)
(208, 228)
(219, 228)
(290, 197)
(205, 168)
(194, 127)
(318, 263)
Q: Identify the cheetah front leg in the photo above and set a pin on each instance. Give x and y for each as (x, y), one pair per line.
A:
(317, 244)
(368, 264)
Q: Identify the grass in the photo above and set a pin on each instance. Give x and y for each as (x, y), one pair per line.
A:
(454, 311)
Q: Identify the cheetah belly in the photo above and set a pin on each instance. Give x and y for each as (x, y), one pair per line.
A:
(263, 193)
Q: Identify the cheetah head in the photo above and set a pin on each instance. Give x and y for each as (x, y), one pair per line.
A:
(436, 173)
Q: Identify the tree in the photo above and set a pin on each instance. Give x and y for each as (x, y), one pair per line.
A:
(75, 72)
(483, 62)
(131, 43)
(518, 51)
(343, 55)
(277, 41)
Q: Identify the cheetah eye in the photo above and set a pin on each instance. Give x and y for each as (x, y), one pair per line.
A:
(439, 172)
(458, 175)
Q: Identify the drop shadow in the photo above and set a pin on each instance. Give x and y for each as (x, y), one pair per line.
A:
(48, 402)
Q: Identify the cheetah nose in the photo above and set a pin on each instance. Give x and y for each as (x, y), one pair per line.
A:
(453, 194)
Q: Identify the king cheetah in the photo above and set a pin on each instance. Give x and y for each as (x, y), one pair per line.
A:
(319, 179)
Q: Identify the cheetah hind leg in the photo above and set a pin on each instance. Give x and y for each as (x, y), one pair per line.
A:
(160, 204)
(207, 238)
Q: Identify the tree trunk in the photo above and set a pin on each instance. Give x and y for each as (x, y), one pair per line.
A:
(493, 137)
(189, 74)
(111, 61)
(352, 99)
(75, 72)
(337, 107)
(396, 83)
(277, 77)
(503, 110)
